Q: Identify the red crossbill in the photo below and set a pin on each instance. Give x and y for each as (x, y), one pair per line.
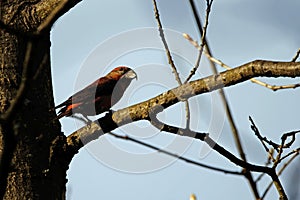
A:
(99, 96)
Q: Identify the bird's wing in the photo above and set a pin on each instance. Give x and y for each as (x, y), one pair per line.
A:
(102, 86)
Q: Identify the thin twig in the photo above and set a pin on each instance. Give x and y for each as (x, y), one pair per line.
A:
(295, 151)
(126, 137)
(248, 174)
(262, 139)
(279, 173)
(296, 56)
(275, 87)
(187, 113)
(270, 156)
(283, 145)
(202, 33)
(272, 87)
(170, 59)
(222, 64)
(285, 136)
(278, 147)
(213, 144)
(163, 38)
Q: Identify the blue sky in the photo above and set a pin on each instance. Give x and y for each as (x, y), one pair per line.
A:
(83, 42)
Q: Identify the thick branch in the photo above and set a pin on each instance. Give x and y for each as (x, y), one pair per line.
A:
(33, 18)
(50, 11)
(141, 111)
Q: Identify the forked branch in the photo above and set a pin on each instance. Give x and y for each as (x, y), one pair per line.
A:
(141, 111)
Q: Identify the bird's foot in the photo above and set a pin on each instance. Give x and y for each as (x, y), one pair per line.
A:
(84, 119)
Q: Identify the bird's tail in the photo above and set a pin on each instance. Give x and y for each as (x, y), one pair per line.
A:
(58, 106)
(62, 112)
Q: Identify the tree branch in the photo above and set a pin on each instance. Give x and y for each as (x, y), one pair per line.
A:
(164, 41)
(214, 61)
(208, 53)
(279, 173)
(145, 110)
(45, 14)
(29, 21)
(202, 34)
(141, 111)
(170, 59)
(296, 55)
(205, 45)
(50, 11)
(176, 156)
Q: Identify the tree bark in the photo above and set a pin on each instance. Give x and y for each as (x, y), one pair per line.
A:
(33, 153)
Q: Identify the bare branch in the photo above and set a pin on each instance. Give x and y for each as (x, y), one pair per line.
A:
(58, 8)
(275, 87)
(213, 144)
(46, 13)
(171, 62)
(280, 172)
(262, 139)
(202, 33)
(284, 145)
(240, 74)
(205, 137)
(233, 127)
(163, 38)
(295, 151)
(285, 136)
(142, 111)
(218, 62)
(278, 185)
(278, 147)
(296, 56)
(126, 137)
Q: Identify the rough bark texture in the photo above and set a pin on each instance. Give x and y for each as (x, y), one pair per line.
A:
(30, 143)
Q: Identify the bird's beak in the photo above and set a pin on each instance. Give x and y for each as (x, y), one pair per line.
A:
(131, 74)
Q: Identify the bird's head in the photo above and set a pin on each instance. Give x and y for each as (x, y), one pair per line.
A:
(123, 72)
(123, 77)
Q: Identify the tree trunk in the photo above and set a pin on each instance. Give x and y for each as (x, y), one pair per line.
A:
(33, 152)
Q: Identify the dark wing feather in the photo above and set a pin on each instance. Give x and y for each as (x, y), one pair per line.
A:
(102, 86)
(93, 92)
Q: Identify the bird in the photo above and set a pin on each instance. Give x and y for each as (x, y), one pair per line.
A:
(99, 96)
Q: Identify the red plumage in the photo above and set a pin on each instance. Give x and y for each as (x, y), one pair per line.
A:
(99, 96)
